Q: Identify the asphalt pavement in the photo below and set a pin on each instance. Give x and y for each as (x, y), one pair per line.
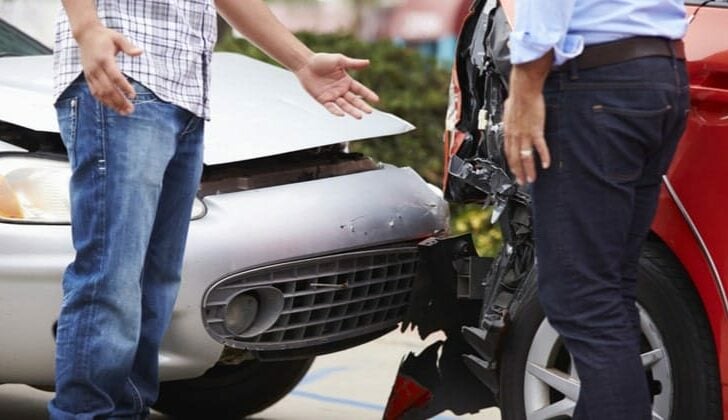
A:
(352, 384)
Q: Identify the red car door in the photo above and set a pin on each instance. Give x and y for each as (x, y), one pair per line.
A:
(691, 216)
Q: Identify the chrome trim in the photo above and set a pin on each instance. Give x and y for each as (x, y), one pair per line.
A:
(703, 247)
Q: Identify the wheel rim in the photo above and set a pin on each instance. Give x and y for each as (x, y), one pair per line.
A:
(551, 383)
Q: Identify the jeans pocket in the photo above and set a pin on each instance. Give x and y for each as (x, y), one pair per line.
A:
(67, 112)
(142, 94)
(144, 98)
(627, 136)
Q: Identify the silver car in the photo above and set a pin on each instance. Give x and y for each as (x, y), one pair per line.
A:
(297, 247)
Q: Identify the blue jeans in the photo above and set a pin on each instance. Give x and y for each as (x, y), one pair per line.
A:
(132, 189)
(612, 131)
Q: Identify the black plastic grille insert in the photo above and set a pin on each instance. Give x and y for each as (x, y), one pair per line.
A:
(326, 299)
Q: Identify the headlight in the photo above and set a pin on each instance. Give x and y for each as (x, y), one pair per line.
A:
(35, 190)
(199, 210)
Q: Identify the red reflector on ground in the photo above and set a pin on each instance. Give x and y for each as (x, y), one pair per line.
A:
(406, 394)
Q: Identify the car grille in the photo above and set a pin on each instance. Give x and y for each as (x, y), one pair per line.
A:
(326, 299)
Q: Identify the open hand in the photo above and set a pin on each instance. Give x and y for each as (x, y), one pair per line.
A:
(325, 78)
(99, 46)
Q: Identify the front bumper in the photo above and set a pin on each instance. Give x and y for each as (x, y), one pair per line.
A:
(241, 231)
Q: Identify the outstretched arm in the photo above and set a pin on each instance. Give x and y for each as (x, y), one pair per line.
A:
(324, 76)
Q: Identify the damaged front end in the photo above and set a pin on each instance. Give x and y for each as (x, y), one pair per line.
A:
(323, 240)
(470, 298)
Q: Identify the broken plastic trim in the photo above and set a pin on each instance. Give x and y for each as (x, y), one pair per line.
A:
(512, 270)
(439, 369)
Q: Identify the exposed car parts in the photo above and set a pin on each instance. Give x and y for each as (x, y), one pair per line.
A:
(508, 276)
(477, 173)
(437, 379)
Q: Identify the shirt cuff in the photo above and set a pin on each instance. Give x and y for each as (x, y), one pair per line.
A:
(526, 47)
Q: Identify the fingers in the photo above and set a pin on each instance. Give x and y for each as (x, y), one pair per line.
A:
(107, 92)
(99, 47)
(358, 102)
(520, 154)
(326, 79)
(348, 104)
(526, 150)
(527, 167)
(347, 107)
(354, 101)
(126, 46)
(332, 108)
(523, 125)
(119, 81)
(363, 91)
(513, 157)
(543, 152)
(353, 63)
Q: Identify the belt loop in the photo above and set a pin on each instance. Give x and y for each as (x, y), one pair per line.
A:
(673, 52)
(671, 46)
(573, 70)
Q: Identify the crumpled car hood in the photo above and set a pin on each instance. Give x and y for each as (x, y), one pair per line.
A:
(258, 110)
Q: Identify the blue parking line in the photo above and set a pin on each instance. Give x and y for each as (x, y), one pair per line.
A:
(324, 373)
(339, 401)
(353, 403)
(320, 374)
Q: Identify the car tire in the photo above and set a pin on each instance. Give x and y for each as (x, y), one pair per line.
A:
(684, 377)
(231, 391)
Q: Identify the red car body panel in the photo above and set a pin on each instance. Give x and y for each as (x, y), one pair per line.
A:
(697, 232)
(690, 218)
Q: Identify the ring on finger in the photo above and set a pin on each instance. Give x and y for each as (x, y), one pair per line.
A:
(526, 153)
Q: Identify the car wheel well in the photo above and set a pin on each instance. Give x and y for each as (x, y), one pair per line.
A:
(667, 295)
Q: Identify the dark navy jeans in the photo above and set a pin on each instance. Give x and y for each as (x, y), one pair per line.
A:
(612, 131)
(132, 189)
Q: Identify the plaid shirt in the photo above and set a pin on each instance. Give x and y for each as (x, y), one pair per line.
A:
(177, 37)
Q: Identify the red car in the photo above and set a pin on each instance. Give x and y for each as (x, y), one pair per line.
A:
(517, 357)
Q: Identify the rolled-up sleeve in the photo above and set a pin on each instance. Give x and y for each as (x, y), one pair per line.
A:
(541, 26)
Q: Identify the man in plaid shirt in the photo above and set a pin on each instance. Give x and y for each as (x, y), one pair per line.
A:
(132, 78)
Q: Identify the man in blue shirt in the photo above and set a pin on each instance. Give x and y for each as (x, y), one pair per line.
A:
(597, 102)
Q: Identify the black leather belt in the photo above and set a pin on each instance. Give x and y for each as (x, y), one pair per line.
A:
(621, 50)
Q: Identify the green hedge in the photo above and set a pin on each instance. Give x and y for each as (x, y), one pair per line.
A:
(413, 87)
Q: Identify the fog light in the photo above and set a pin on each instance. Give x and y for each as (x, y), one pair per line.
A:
(253, 311)
(241, 313)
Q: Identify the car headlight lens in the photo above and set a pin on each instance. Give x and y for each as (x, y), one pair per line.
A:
(199, 210)
(35, 190)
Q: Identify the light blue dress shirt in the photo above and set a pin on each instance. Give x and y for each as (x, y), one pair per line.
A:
(566, 26)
